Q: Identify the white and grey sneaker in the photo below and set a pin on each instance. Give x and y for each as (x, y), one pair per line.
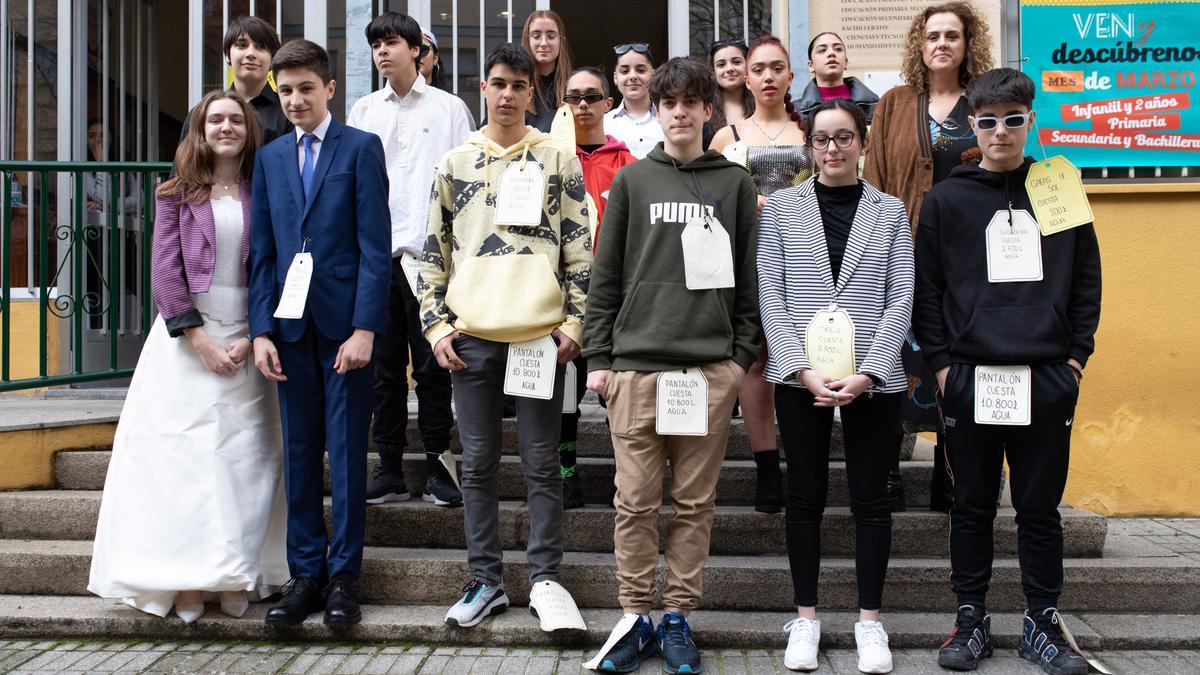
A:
(803, 637)
(479, 601)
(873, 653)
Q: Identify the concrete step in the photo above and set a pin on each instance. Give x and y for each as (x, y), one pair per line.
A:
(25, 616)
(86, 469)
(1121, 582)
(737, 530)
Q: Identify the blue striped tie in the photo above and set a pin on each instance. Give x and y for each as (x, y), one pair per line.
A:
(306, 174)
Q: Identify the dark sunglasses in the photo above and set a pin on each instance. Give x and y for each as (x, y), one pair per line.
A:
(728, 42)
(639, 47)
(592, 98)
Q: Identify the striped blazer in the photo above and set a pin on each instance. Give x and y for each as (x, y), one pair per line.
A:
(875, 285)
(184, 254)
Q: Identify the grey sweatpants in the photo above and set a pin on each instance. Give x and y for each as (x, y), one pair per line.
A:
(479, 403)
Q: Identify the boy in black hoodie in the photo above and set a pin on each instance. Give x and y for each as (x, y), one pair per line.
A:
(672, 324)
(1006, 317)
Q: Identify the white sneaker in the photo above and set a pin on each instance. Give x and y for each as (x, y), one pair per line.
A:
(803, 637)
(873, 653)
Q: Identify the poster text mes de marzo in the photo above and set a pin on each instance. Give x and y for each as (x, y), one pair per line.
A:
(1133, 44)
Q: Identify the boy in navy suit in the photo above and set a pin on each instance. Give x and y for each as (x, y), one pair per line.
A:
(320, 211)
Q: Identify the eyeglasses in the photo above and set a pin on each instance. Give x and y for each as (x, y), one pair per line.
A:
(842, 140)
(728, 42)
(639, 47)
(592, 98)
(1011, 121)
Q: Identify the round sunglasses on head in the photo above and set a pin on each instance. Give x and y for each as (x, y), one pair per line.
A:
(728, 42)
(592, 98)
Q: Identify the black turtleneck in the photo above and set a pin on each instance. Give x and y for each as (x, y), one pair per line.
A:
(838, 206)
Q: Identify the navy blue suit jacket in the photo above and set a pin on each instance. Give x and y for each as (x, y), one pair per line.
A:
(348, 224)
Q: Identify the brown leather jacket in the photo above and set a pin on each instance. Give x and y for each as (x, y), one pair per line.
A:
(899, 158)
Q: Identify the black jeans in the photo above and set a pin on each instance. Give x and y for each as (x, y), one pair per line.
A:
(434, 415)
(868, 426)
(1037, 458)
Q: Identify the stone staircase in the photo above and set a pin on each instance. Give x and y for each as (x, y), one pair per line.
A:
(415, 564)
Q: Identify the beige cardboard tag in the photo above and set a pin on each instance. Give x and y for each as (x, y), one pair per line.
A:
(295, 287)
(1014, 249)
(447, 460)
(562, 129)
(619, 631)
(829, 343)
(522, 192)
(570, 404)
(554, 607)
(529, 371)
(738, 153)
(707, 255)
(411, 267)
(681, 405)
(1056, 192)
(1002, 395)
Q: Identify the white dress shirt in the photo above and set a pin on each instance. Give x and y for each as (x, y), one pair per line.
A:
(417, 130)
(640, 134)
(319, 133)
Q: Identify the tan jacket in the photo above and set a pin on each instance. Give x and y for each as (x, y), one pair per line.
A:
(899, 159)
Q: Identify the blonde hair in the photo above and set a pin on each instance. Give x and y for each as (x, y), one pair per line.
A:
(977, 59)
(562, 65)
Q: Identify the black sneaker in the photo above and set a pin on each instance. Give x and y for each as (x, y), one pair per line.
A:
(442, 491)
(572, 488)
(627, 655)
(1045, 644)
(386, 487)
(680, 654)
(970, 641)
(768, 492)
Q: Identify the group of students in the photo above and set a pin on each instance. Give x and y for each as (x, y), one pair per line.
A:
(762, 267)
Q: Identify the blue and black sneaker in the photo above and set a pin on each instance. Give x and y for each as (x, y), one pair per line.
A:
(637, 646)
(680, 654)
(1046, 642)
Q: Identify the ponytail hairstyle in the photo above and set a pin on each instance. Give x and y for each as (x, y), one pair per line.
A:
(562, 65)
(788, 105)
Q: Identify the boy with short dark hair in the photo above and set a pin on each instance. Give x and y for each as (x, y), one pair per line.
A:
(676, 263)
(503, 282)
(317, 298)
(417, 124)
(1006, 318)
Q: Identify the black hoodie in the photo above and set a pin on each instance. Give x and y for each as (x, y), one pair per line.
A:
(960, 317)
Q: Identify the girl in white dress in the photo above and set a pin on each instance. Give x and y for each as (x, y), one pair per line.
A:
(193, 504)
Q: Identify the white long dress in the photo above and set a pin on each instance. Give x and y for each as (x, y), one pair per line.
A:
(194, 497)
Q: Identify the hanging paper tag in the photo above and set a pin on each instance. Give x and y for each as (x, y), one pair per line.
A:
(681, 408)
(1056, 192)
(1014, 250)
(829, 343)
(562, 129)
(619, 631)
(530, 368)
(570, 405)
(554, 607)
(738, 153)
(295, 287)
(447, 460)
(707, 255)
(411, 267)
(522, 191)
(1002, 395)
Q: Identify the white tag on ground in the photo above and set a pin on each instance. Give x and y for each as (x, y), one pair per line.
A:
(411, 267)
(1014, 250)
(521, 193)
(295, 287)
(447, 460)
(570, 405)
(529, 371)
(707, 255)
(681, 406)
(1002, 395)
(554, 607)
(619, 631)
(829, 343)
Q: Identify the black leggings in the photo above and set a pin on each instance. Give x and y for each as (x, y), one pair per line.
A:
(868, 426)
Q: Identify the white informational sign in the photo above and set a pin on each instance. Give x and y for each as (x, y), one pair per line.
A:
(522, 192)
(295, 287)
(681, 406)
(619, 631)
(1014, 247)
(1002, 395)
(707, 255)
(829, 343)
(554, 607)
(411, 267)
(530, 368)
(570, 404)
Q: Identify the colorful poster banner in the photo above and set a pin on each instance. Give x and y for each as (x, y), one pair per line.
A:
(1116, 81)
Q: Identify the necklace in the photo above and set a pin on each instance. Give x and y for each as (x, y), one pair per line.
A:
(228, 188)
(770, 138)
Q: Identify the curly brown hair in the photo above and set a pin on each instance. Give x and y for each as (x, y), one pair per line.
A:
(978, 58)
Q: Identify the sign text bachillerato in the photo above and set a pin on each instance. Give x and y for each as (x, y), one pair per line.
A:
(1116, 81)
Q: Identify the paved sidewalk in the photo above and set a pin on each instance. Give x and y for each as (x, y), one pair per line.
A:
(58, 656)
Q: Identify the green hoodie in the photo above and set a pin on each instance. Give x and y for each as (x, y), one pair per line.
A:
(640, 313)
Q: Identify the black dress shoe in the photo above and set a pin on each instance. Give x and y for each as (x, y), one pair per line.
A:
(301, 597)
(341, 605)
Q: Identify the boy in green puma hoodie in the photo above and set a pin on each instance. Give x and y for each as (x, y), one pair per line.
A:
(663, 302)
(507, 261)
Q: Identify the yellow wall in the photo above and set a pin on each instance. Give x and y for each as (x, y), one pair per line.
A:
(29, 454)
(1136, 445)
(23, 361)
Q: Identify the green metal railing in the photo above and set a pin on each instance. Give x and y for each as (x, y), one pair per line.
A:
(73, 302)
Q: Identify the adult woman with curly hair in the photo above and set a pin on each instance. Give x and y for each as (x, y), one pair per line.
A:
(920, 133)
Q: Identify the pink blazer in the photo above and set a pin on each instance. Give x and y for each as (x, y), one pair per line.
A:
(184, 253)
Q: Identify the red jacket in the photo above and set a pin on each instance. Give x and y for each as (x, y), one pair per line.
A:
(599, 168)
